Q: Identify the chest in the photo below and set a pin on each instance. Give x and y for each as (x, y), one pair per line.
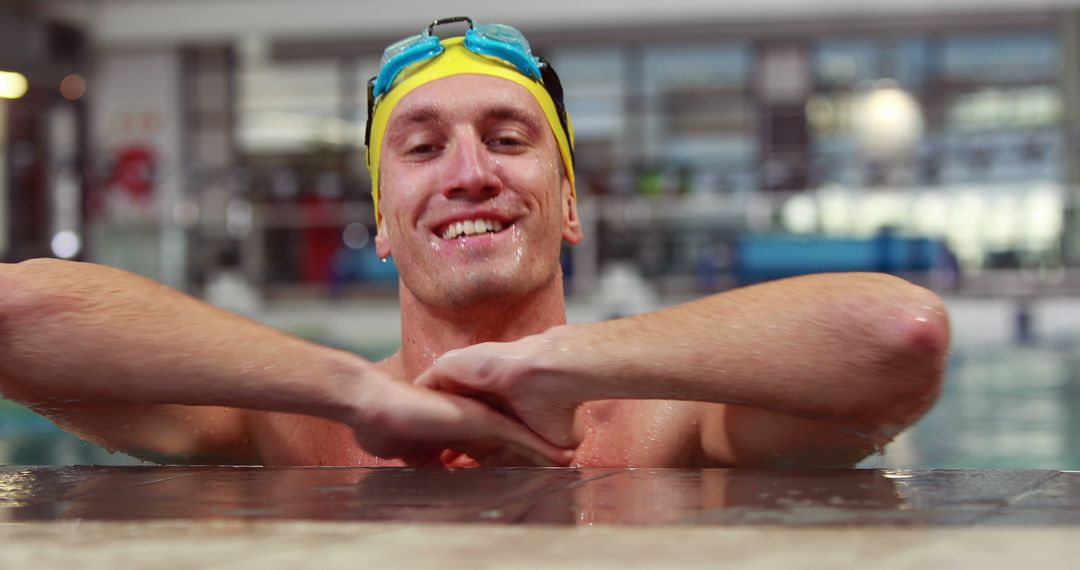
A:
(638, 433)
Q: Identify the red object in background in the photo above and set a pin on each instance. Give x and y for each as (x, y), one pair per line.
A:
(321, 238)
(133, 171)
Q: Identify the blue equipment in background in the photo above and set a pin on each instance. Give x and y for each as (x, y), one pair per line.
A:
(766, 257)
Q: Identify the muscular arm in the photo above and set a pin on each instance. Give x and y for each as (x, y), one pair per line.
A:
(817, 370)
(133, 365)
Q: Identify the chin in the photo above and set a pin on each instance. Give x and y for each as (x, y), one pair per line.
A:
(487, 287)
(484, 287)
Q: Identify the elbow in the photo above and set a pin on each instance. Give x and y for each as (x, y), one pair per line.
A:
(894, 345)
(911, 334)
(922, 335)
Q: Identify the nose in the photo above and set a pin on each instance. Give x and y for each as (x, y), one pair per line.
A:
(471, 170)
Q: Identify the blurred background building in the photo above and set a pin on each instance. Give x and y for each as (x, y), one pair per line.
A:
(217, 146)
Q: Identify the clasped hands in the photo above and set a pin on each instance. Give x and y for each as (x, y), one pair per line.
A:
(499, 404)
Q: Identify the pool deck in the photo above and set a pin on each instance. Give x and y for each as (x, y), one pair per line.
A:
(226, 517)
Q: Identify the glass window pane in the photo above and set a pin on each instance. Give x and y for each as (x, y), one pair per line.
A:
(594, 85)
(1000, 58)
(667, 68)
(696, 104)
(290, 107)
(911, 62)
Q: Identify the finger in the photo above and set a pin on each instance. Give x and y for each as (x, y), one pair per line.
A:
(454, 370)
(450, 354)
(450, 385)
(554, 424)
(493, 428)
(435, 378)
(448, 456)
(428, 379)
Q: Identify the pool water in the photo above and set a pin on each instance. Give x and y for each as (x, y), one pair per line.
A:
(1006, 407)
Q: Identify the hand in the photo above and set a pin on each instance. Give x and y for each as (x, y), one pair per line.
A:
(512, 378)
(420, 425)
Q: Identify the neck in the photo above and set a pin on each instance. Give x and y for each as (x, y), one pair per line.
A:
(429, 332)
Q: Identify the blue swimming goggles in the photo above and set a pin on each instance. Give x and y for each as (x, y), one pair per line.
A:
(493, 40)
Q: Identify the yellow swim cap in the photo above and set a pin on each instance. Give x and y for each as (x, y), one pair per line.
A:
(459, 60)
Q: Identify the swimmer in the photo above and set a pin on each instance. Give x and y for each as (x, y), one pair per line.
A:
(471, 159)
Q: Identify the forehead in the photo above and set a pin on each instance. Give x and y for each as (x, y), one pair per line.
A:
(463, 97)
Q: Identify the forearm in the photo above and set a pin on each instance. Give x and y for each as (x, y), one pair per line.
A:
(84, 333)
(820, 347)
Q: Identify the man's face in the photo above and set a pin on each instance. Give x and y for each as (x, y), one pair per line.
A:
(473, 197)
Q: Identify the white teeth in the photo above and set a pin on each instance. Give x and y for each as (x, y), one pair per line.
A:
(471, 227)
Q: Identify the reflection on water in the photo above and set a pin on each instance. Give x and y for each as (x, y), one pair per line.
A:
(1015, 407)
(1007, 407)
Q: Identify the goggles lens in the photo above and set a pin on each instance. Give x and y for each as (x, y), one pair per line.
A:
(399, 47)
(503, 33)
(402, 54)
(496, 40)
(506, 43)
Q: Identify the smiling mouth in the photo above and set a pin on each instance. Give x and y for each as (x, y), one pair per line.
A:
(471, 228)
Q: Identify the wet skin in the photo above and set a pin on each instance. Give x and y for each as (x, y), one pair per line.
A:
(463, 148)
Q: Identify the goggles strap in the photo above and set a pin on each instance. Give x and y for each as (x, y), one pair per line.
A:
(553, 85)
(453, 20)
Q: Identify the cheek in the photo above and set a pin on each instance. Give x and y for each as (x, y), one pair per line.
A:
(395, 191)
(540, 175)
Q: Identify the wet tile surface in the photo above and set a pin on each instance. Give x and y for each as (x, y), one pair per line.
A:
(560, 497)
(270, 518)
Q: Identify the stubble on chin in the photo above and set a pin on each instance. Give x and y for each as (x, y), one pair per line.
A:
(469, 288)
(485, 286)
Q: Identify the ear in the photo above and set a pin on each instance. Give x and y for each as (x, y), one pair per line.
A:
(571, 222)
(382, 242)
